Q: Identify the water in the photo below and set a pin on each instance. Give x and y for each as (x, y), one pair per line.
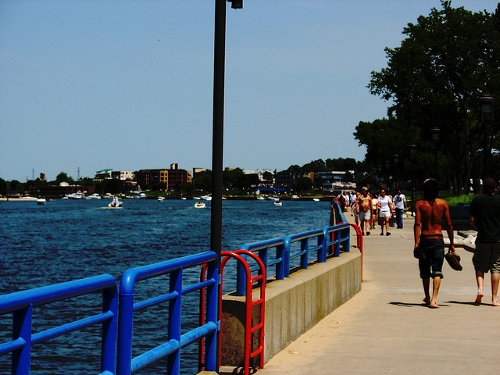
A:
(71, 239)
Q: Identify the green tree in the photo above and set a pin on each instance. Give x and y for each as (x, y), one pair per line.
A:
(435, 79)
(63, 177)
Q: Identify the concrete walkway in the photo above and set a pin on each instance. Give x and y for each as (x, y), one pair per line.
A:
(385, 329)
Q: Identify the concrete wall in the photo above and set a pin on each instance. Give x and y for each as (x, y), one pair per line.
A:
(293, 306)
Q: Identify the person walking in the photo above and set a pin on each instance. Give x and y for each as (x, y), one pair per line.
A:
(384, 212)
(364, 210)
(484, 213)
(428, 233)
(400, 201)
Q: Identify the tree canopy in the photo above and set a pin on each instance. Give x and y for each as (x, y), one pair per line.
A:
(435, 79)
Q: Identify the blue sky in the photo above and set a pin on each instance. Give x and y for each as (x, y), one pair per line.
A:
(127, 85)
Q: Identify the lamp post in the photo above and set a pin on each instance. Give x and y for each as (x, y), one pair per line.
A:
(396, 163)
(486, 104)
(435, 139)
(413, 151)
(218, 122)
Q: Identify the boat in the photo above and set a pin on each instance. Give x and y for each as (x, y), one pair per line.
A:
(206, 197)
(115, 203)
(161, 199)
(41, 201)
(94, 196)
(278, 203)
(316, 199)
(139, 194)
(77, 195)
(199, 205)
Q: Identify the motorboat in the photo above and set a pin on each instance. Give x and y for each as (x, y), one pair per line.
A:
(199, 205)
(77, 195)
(316, 199)
(115, 203)
(94, 196)
(206, 197)
(161, 199)
(140, 195)
(41, 201)
(278, 203)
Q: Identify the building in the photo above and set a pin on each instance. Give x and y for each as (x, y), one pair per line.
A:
(169, 178)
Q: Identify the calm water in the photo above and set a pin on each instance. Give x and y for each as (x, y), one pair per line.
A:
(72, 239)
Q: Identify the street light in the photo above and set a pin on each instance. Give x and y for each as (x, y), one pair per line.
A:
(218, 122)
(396, 162)
(413, 152)
(435, 139)
(486, 104)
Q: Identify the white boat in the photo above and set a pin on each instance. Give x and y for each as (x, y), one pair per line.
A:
(140, 195)
(77, 195)
(94, 196)
(161, 199)
(41, 201)
(278, 203)
(199, 205)
(206, 197)
(316, 199)
(115, 203)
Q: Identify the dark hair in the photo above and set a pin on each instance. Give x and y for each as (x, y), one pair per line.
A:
(431, 189)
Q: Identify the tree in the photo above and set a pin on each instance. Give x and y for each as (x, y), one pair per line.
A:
(434, 79)
(63, 177)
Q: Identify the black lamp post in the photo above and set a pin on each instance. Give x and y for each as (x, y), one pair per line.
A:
(435, 139)
(218, 122)
(413, 151)
(486, 103)
(396, 163)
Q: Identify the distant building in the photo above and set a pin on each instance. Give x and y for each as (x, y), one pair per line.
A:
(172, 178)
(334, 182)
(106, 174)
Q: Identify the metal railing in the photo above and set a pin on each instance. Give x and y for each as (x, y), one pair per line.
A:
(22, 304)
(281, 252)
(177, 340)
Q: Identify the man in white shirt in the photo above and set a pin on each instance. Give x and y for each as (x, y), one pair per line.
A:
(400, 200)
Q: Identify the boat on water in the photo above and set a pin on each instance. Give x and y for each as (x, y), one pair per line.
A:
(199, 205)
(278, 203)
(77, 195)
(316, 199)
(41, 201)
(94, 196)
(161, 199)
(206, 197)
(115, 203)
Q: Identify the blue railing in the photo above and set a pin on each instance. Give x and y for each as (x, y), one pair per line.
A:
(176, 340)
(281, 252)
(21, 305)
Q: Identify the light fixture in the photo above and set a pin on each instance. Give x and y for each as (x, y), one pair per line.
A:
(236, 4)
(486, 103)
(435, 134)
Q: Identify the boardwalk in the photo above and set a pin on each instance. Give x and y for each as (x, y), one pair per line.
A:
(386, 330)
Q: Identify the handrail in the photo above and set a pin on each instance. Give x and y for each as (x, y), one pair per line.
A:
(250, 328)
(176, 341)
(21, 304)
(282, 256)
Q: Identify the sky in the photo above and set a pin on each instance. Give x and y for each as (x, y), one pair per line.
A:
(87, 85)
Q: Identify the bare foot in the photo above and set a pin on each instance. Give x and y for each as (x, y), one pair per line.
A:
(433, 305)
(495, 303)
(479, 298)
(427, 300)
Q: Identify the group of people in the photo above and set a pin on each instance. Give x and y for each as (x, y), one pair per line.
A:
(430, 212)
(370, 210)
